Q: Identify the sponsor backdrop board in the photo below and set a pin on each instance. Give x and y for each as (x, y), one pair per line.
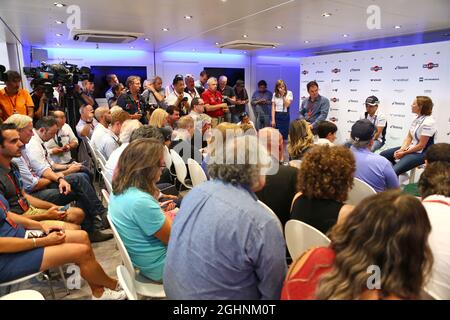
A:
(395, 75)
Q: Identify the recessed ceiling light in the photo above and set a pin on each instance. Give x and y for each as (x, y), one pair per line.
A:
(244, 36)
(131, 47)
(245, 52)
(59, 5)
(274, 47)
(397, 27)
(326, 14)
(59, 34)
(193, 49)
(59, 22)
(188, 17)
(146, 39)
(58, 44)
(306, 41)
(217, 43)
(345, 35)
(279, 27)
(165, 29)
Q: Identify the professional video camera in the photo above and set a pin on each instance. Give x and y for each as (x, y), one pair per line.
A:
(2, 73)
(54, 75)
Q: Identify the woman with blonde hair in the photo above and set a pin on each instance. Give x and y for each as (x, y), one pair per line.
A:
(380, 251)
(301, 139)
(158, 118)
(281, 101)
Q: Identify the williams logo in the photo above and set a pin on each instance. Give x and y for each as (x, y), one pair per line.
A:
(376, 68)
(335, 80)
(336, 70)
(353, 80)
(399, 90)
(422, 79)
(353, 90)
(334, 90)
(320, 71)
(351, 110)
(396, 115)
(333, 119)
(395, 103)
(353, 101)
(396, 127)
(334, 99)
(430, 65)
(355, 70)
(401, 80)
(334, 109)
(375, 80)
(305, 72)
(351, 121)
(401, 68)
(374, 90)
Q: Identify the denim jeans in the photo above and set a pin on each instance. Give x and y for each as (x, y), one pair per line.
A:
(82, 192)
(377, 144)
(262, 118)
(406, 163)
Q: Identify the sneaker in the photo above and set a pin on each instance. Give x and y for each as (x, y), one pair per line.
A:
(97, 236)
(109, 294)
(105, 222)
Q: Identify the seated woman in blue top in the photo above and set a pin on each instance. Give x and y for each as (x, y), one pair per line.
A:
(134, 210)
(20, 257)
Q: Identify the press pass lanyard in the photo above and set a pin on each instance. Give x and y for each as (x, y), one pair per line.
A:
(13, 103)
(9, 220)
(22, 202)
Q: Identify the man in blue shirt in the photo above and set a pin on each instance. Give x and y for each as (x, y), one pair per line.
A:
(223, 243)
(262, 102)
(371, 168)
(315, 108)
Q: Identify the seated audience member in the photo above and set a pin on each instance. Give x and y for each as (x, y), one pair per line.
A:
(132, 101)
(379, 121)
(167, 135)
(385, 236)
(324, 181)
(87, 123)
(60, 191)
(159, 118)
(184, 143)
(13, 99)
(154, 93)
(420, 136)
(112, 80)
(173, 116)
(371, 168)
(326, 131)
(103, 116)
(11, 187)
(134, 208)
(434, 185)
(300, 139)
(63, 142)
(117, 90)
(125, 133)
(281, 181)
(20, 257)
(110, 140)
(224, 244)
(178, 98)
(436, 152)
(245, 119)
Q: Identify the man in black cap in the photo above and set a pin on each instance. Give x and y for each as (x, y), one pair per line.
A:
(379, 121)
(371, 168)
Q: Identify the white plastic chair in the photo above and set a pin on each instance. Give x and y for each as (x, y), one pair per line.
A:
(196, 172)
(18, 281)
(24, 295)
(105, 195)
(101, 158)
(168, 159)
(180, 168)
(271, 212)
(126, 283)
(108, 183)
(144, 286)
(301, 237)
(360, 191)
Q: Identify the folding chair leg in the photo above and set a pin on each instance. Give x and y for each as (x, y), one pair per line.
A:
(63, 278)
(49, 281)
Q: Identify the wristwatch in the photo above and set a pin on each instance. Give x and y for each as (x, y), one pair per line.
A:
(57, 180)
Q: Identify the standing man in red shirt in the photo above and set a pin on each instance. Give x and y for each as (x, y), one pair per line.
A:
(214, 105)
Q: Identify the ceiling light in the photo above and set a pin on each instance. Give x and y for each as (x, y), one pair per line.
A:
(274, 47)
(59, 5)
(59, 22)
(58, 44)
(326, 14)
(245, 52)
(397, 27)
(146, 39)
(306, 41)
(188, 17)
(165, 29)
(279, 27)
(58, 34)
(244, 36)
(131, 47)
(345, 35)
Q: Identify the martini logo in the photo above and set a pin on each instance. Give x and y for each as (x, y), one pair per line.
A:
(396, 127)
(401, 80)
(375, 80)
(353, 101)
(351, 121)
(335, 80)
(336, 70)
(376, 68)
(422, 79)
(320, 71)
(401, 68)
(334, 99)
(355, 70)
(353, 80)
(430, 65)
(333, 119)
(353, 90)
(395, 103)
(305, 72)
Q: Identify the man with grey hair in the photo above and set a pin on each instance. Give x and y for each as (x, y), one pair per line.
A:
(224, 244)
(281, 184)
(103, 116)
(214, 105)
(154, 93)
(371, 168)
(87, 123)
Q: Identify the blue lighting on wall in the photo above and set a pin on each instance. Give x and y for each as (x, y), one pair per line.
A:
(106, 54)
(217, 57)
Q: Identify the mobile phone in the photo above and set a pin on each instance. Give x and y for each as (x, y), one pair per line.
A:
(64, 209)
